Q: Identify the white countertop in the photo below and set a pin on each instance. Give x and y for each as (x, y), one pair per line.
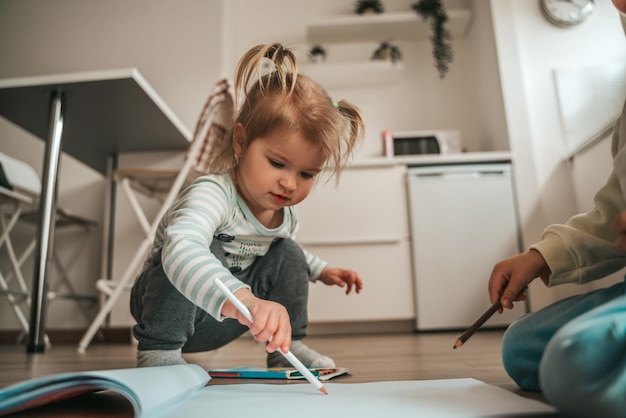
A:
(434, 159)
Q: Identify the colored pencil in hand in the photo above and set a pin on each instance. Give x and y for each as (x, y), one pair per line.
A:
(474, 327)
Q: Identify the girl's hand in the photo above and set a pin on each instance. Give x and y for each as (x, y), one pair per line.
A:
(342, 278)
(510, 278)
(619, 224)
(271, 320)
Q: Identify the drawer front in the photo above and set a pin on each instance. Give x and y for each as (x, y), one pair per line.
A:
(387, 285)
(369, 205)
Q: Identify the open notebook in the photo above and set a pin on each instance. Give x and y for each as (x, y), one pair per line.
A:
(182, 391)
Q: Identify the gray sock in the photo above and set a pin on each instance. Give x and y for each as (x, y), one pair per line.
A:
(152, 358)
(308, 357)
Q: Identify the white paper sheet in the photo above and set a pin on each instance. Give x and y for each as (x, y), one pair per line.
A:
(398, 399)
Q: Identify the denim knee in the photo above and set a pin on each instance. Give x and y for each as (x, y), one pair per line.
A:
(582, 371)
(521, 355)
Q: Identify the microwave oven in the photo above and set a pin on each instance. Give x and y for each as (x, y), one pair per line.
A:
(422, 142)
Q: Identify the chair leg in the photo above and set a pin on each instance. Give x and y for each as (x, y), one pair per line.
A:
(16, 264)
(135, 206)
(15, 304)
(16, 267)
(63, 268)
(128, 275)
(64, 281)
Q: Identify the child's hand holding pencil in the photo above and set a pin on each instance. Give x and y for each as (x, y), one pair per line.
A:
(476, 325)
(243, 309)
(508, 283)
(271, 321)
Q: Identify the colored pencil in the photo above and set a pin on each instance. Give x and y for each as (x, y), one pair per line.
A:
(474, 327)
(288, 355)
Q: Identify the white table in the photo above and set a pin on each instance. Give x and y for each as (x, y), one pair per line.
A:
(92, 116)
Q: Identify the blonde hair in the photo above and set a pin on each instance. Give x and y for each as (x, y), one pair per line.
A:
(272, 95)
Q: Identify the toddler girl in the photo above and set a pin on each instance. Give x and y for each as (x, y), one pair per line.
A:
(238, 223)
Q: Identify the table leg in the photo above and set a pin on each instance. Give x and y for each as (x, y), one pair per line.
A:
(109, 224)
(45, 228)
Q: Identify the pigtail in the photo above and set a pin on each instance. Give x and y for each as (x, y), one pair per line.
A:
(353, 134)
(357, 125)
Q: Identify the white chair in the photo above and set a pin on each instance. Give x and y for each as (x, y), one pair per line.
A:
(215, 121)
(20, 187)
(11, 205)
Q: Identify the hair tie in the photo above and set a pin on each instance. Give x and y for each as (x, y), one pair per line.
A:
(335, 104)
(282, 67)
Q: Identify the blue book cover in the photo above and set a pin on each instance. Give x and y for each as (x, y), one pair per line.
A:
(148, 389)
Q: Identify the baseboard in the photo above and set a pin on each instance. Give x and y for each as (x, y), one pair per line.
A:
(361, 327)
(121, 335)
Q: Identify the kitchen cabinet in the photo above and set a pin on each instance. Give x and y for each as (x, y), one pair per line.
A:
(361, 224)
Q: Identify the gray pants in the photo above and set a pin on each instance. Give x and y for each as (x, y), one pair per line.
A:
(167, 320)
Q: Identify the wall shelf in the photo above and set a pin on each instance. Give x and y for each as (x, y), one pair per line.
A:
(385, 26)
(354, 74)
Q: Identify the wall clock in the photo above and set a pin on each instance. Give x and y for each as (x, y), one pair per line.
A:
(566, 13)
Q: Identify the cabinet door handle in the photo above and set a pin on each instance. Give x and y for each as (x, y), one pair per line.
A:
(463, 174)
(353, 241)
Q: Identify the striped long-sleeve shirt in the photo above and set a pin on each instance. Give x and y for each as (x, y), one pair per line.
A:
(209, 208)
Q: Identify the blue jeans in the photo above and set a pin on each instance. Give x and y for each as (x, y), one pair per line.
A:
(574, 351)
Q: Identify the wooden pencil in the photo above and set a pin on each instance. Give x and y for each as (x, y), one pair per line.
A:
(476, 325)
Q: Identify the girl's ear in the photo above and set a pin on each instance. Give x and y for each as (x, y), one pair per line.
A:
(239, 138)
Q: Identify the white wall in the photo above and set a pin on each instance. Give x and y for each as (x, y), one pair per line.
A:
(177, 47)
(529, 48)
(485, 79)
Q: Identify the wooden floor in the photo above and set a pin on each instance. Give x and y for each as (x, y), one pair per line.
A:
(380, 357)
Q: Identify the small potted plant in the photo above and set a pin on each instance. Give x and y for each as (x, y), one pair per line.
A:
(387, 51)
(368, 7)
(317, 53)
